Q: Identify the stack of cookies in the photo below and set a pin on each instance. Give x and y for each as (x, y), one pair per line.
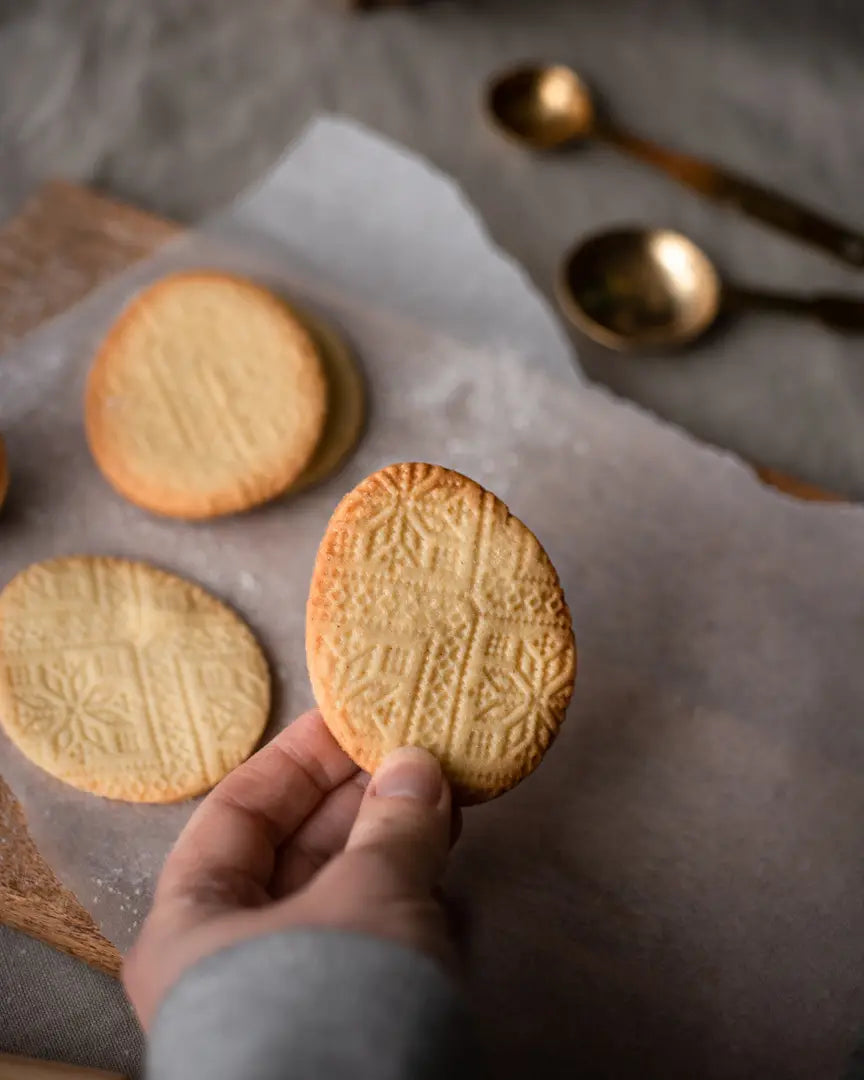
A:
(210, 396)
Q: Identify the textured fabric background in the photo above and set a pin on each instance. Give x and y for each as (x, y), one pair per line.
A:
(178, 104)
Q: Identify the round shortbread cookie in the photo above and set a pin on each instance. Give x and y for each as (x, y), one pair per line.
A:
(436, 619)
(346, 403)
(126, 681)
(207, 397)
(4, 472)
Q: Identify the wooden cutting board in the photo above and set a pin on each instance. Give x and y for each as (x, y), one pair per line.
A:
(64, 242)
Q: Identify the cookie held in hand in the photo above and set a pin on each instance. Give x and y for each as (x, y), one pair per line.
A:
(207, 397)
(126, 681)
(436, 619)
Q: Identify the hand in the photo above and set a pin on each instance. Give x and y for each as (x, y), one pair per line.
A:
(292, 839)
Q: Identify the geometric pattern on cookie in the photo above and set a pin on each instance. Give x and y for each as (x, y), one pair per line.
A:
(435, 618)
(126, 681)
(206, 397)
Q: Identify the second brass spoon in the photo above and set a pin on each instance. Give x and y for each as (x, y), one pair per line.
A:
(635, 288)
(546, 106)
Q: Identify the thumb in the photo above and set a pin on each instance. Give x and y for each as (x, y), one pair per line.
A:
(399, 842)
(382, 883)
(404, 819)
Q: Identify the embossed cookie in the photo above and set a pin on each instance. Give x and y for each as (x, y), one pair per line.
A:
(126, 681)
(207, 397)
(436, 619)
(345, 403)
(4, 472)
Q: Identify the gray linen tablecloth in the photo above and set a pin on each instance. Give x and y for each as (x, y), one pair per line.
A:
(178, 105)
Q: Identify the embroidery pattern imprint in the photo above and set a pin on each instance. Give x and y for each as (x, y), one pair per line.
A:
(126, 681)
(436, 618)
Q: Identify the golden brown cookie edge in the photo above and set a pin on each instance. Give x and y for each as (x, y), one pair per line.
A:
(154, 498)
(364, 755)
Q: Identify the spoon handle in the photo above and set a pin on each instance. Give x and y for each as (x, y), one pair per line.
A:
(767, 206)
(837, 312)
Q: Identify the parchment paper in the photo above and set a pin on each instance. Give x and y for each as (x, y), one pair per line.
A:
(688, 860)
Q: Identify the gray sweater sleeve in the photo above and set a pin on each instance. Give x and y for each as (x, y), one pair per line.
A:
(308, 1004)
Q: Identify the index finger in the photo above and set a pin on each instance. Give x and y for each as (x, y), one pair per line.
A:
(227, 850)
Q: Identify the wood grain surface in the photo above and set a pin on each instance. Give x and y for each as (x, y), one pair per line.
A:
(64, 242)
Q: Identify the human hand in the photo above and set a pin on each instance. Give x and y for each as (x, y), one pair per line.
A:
(290, 839)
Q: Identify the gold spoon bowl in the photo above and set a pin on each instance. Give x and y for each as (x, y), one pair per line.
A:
(542, 106)
(635, 288)
(640, 288)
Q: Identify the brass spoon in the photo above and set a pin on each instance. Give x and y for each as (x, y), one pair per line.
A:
(546, 106)
(635, 288)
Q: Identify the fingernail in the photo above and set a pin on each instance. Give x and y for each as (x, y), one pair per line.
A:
(409, 773)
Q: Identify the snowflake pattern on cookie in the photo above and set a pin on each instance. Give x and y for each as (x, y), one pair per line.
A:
(435, 618)
(126, 681)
